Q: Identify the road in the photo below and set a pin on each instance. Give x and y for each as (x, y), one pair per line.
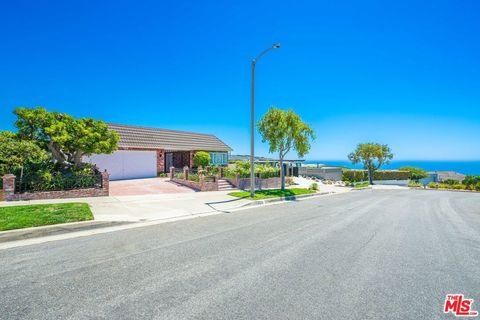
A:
(362, 255)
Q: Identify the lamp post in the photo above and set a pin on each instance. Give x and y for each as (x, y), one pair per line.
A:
(252, 120)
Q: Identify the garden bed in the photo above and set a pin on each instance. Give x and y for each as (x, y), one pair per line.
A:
(273, 193)
(18, 217)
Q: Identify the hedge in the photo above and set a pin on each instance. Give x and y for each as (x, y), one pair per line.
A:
(362, 175)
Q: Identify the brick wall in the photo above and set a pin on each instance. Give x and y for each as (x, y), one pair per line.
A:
(191, 159)
(201, 185)
(10, 195)
(160, 161)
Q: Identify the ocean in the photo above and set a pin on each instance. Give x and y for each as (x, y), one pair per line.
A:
(465, 167)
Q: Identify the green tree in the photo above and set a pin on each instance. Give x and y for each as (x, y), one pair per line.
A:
(201, 159)
(285, 131)
(18, 155)
(372, 155)
(415, 173)
(68, 139)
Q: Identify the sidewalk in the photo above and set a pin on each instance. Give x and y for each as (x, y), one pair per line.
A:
(151, 207)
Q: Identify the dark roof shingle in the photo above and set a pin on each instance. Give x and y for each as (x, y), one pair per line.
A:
(154, 138)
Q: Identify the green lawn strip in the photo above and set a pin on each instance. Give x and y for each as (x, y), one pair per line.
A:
(361, 185)
(273, 193)
(17, 217)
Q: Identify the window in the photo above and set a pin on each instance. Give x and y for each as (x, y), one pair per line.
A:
(218, 158)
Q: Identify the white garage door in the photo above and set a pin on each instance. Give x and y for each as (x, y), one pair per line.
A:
(125, 164)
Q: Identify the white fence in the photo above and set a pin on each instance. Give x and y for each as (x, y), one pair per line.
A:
(325, 173)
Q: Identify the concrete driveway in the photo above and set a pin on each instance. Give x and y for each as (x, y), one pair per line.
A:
(138, 187)
(161, 206)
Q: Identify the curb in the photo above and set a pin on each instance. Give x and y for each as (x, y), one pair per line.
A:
(55, 229)
(362, 188)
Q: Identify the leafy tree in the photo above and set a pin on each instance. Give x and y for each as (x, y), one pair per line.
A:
(372, 155)
(68, 139)
(415, 173)
(201, 159)
(20, 155)
(285, 131)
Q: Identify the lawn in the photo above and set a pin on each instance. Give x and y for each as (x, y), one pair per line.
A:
(361, 185)
(273, 193)
(17, 217)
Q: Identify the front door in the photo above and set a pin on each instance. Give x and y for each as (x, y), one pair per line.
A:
(168, 161)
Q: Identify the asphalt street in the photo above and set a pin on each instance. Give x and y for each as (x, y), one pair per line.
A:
(382, 254)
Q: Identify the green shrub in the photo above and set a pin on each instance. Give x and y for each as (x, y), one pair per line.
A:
(264, 171)
(242, 168)
(349, 175)
(314, 186)
(19, 156)
(415, 173)
(456, 186)
(228, 173)
(362, 175)
(193, 177)
(201, 159)
(212, 171)
(414, 184)
(433, 185)
(471, 182)
(81, 177)
(450, 181)
(179, 175)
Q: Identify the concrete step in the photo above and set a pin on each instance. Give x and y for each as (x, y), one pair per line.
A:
(224, 185)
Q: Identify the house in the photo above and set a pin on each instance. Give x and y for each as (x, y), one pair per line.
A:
(441, 176)
(290, 165)
(146, 152)
(274, 162)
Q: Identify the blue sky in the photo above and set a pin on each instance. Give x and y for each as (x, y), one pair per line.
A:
(399, 72)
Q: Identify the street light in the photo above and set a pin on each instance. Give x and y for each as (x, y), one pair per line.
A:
(252, 119)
